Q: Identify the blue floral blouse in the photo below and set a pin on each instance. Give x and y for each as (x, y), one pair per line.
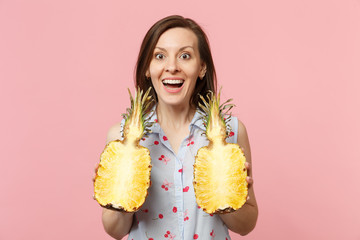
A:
(170, 211)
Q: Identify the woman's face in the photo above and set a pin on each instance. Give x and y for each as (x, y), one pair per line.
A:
(175, 66)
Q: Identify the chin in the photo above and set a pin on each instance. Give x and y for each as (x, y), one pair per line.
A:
(175, 102)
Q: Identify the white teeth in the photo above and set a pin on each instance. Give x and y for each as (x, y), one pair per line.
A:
(172, 81)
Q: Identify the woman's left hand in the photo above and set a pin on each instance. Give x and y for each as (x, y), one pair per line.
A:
(249, 179)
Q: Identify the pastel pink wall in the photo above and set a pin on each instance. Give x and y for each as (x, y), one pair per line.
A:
(292, 67)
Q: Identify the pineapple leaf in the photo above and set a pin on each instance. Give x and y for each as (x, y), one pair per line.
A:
(203, 108)
(131, 98)
(146, 97)
(227, 108)
(227, 101)
(206, 103)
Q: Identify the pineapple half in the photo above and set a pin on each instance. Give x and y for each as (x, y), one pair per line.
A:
(219, 171)
(123, 176)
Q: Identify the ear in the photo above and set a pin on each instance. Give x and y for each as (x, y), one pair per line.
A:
(202, 70)
(147, 74)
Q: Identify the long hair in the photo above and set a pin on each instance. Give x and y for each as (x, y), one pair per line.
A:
(149, 43)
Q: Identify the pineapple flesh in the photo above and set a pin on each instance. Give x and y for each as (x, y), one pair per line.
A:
(123, 177)
(219, 171)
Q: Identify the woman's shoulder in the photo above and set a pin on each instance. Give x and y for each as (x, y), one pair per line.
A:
(240, 126)
(242, 138)
(236, 122)
(238, 129)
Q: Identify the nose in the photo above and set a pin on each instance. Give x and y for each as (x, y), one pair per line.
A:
(172, 65)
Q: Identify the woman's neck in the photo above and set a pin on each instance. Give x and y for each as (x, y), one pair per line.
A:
(175, 121)
(175, 117)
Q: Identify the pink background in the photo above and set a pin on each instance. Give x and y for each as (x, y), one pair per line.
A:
(292, 67)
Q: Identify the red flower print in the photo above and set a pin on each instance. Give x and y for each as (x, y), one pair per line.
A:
(231, 134)
(169, 235)
(151, 239)
(196, 236)
(190, 141)
(186, 215)
(165, 138)
(164, 159)
(174, 209)
(145, 210)
(180, 170)
(156, 142)
(186, 189)
(160, 216)
(143, 139)
(211, 214)
(166, 185)
(212, 234)
(155, 120)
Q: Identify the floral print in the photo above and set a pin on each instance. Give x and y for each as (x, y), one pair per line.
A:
(164, 159)
(166, 185)
(169, 236)
(190, 141)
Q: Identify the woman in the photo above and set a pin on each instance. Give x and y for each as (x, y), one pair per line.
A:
(175, 60)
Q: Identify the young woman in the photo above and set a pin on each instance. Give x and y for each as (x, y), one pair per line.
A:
(175, 60)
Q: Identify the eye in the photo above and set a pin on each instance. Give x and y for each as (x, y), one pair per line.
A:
(185, 56)
(159, 56)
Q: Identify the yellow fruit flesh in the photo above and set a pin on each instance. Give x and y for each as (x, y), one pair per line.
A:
(123, 176)
(220, 178)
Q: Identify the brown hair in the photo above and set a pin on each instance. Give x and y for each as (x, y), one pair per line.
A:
(148, 45)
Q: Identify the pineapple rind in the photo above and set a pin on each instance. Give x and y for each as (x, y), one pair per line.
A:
(123, 176)
(220, 178)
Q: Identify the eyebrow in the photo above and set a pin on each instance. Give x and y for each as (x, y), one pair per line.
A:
(182, 48)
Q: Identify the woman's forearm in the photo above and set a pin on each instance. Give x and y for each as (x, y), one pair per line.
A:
(117, 224)
(243, 220)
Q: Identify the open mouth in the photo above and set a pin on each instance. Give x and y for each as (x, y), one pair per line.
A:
(173, 83)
